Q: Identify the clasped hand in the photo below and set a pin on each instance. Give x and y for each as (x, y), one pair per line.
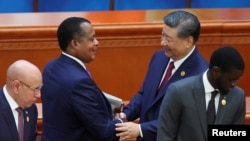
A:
(126, 130)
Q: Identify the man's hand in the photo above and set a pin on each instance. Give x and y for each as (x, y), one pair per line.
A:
(127, 130)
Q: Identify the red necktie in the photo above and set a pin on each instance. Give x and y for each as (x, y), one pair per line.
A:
(167, 75)
(20, 123)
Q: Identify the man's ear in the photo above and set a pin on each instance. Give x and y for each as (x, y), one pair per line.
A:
(73, 43)
(216, 71)
(16, 86)
(190, 41)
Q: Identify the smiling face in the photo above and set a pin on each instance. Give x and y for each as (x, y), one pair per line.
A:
(85, 46)
(175, 47)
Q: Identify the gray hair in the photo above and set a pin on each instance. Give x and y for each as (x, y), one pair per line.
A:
(186, 23)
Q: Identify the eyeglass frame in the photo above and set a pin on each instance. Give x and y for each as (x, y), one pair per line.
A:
(35, 90)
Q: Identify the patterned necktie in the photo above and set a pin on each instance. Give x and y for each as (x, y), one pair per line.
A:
(167, 76)
(20, 123)
(211, 109)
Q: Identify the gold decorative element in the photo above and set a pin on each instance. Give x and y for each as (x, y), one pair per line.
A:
(183, 73)
(223, 102)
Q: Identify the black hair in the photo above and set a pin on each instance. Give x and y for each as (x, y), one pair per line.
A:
(70, 29)
(227, 58)
(186, 23)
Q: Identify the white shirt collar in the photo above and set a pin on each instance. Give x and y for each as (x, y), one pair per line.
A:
(74, 58)
(179, 62)
(11, 101)
(208, 87)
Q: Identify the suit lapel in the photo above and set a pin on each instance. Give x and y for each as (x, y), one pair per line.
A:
(65, 58)
(26, 124)
(199, 93)
(180, 73)
(8, 116)
(222, 108)
(155, 77)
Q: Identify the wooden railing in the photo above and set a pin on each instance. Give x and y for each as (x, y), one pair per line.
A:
(125, 44)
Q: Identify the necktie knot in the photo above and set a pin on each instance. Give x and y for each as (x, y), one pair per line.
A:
(19, 110)
(213, 94)
(171, 65)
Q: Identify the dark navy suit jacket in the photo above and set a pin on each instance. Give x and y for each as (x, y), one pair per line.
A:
(8, 128)
(146, 103)
(74, 108)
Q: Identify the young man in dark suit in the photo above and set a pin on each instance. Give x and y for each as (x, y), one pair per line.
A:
(185, 107)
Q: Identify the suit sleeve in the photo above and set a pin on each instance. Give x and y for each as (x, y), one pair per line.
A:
(169, 115)
(241, 113)
(94, 111)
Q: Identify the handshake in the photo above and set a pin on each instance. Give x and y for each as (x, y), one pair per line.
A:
(125, 130)
(118, 113)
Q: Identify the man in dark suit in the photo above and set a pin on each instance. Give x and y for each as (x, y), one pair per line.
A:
(183, 114)
(22, 89)
(179, 36)
(74, 108)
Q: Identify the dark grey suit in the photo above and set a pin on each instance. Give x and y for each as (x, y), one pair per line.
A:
(183, 111)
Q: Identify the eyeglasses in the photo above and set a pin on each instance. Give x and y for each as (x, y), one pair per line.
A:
(36, 90)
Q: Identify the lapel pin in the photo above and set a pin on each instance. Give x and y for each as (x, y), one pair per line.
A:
(223, 102)
(27, 119)
(183, 73)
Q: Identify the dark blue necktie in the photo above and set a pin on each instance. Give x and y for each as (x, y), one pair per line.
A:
(211, 109)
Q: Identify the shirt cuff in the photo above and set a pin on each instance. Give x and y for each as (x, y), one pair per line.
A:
(140, 131)
(120, 120)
